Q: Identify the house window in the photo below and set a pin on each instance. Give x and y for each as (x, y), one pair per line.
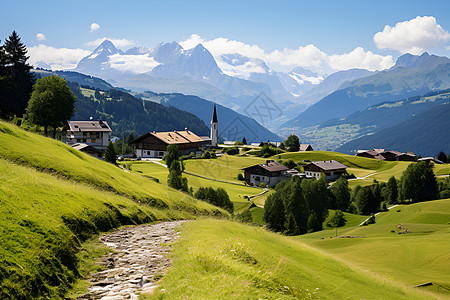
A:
(257, 178)
(92, 140)
(161, 153)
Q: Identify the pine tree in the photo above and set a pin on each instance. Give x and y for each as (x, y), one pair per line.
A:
(244, 141)
(391, 192)
(274, 214)
(341, 193)
(110, 154)
(442, 157)
(16, 80)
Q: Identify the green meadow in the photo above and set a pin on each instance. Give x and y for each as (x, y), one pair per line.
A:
(413, 258)
(246, 262)
(237, 192)
(54, 198)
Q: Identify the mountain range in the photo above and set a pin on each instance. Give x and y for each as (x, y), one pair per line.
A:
(306, 103)
(232, 80)
(410, 76)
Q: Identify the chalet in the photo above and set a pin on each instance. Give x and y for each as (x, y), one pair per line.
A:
(93, 133)
(408, 156)
(269, 173)
(390, 155)
(306, 147)
(331, 168)
(371, 154)
(154, 144)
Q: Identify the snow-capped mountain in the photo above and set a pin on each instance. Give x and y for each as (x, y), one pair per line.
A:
(233, 80)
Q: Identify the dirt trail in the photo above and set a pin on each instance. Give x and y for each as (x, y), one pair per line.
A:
(140, 260)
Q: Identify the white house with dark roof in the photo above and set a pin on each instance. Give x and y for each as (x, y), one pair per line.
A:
(269, 173)
(93, 133)
(331, 168)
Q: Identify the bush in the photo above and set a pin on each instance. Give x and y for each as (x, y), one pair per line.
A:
(217, 197)
(240, 177)
(239, 143)
(262, 185)
(231, 150)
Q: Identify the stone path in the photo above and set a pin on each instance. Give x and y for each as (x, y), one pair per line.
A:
(140, 260)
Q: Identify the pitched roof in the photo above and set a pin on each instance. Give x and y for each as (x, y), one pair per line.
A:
(173, 137)
(214, 117)
(89, 126)
(329, 165)
(304, 147)
(271, 166)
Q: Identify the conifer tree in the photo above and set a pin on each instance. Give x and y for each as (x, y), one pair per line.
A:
(110, 153)
(16, 80)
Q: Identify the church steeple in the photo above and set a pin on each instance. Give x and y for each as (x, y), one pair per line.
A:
(214, 131)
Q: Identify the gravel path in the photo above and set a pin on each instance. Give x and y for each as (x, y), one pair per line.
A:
(139, 261)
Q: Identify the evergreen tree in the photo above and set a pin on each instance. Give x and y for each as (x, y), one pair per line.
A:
(174, 179)
(274, 214)
(172, 154)
(297, 205)
(391, 192)
(365, 201)
(442, 157)
(110, 153)
(244, 141)
(16, 80)
(52, 103)
(341, 193)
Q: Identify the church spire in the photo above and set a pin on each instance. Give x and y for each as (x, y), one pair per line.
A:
(214, 117)
(214, 129)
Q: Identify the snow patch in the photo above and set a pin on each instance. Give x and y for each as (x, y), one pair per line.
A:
(300, 78)
(133, 63)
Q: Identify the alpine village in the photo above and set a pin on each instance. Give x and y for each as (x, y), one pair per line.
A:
(186, 171)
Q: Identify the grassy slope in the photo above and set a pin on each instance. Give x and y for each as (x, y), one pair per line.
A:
(414, 258)
(246, 262)
(52, 198)
(236, 192)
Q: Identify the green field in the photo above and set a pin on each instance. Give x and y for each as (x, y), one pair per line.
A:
(53, 198)
(226, 167)
(235, 191)
(245, 262)
(414, 258)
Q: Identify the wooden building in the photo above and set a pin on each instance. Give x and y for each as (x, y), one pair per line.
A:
(269, 173)
(154, 144)
(331, 168)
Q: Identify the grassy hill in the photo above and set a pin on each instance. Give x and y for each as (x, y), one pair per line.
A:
(414, 258)
(244, 262)
(54, 198)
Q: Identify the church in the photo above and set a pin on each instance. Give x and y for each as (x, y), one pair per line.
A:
(154, 144)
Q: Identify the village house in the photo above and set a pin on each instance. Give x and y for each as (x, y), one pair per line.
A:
(269, 173)
(306, 147)
(391, 155)
(430, 160)
(154, 144)
(331, 168)
(92, 133)
(370, 154)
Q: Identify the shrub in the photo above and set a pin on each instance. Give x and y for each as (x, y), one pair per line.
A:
(262, 185)
(240, 176)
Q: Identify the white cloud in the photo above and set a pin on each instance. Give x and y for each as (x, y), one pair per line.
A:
(58, 58)
(94, 27)
(117, 42)
(308, 56)
(133, 63)
(40, 37)
(413, 36)
(359, 58)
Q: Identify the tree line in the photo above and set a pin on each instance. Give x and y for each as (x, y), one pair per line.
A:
(300, 206)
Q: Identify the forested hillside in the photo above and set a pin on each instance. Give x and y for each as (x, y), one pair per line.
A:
(126, 113)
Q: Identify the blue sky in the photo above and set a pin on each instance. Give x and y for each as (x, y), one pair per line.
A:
(333, 29)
